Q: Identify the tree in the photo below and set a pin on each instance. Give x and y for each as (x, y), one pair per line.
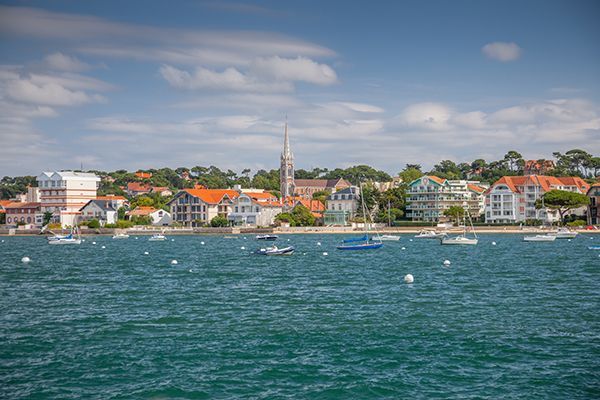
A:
(93, 224)
(562, 201)
(321, 195)
(302, 216)
(447, 169)
(410, 173)
(514, 160)
(121, 213)
(286, 217)
(47, 218)
(456, 212)
(219, 222)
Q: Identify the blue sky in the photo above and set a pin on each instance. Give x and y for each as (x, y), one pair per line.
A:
(139, 84)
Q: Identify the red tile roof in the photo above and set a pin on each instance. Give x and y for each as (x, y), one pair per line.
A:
(547, 183)
(212, 196)
(142, 211)
(437, 179)
(475, 188)
(137, 187)
(22, 205)
(143, 175)
(111, 197)
(312, 205)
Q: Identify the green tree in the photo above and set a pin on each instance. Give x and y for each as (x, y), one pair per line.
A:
(286, 217)
(410, 173)
(562, 201)
(514, 160)
(93, 224)
(302, 216)
(47, 218)
(446, 169)
(121, 213)
(455, 212)
(321, 195)
(219, 222)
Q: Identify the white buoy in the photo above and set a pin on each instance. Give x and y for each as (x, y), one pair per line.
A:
(82, 240)
(25, 259)
(318, 243)
(242, 248)
(136, 238)
(172, 240)
(404, 248)
(103, 247)
(408, 278)
(93, 242)
(288, 240)
(568, 240)
(173, 262)
(146, 253)
(244, 237)
(303, 254)
(493, 243)
(447, 263)
(325, 253)
(410, 240)
(201, 242)
(191, 270)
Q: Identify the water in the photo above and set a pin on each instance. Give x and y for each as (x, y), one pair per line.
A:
(515, 320)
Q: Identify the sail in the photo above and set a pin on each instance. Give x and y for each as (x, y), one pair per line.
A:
(360, 239)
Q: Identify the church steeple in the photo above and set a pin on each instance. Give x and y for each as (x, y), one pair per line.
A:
(286, 168)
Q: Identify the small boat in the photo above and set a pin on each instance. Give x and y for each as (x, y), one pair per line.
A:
(266, 237)
(460, 239)
(365, 242)
(540, 238)
(275, 251)
(157, 237)
(594, 247)
(361, 246)
(564, 233)
(430, 234)
(121, 236)
(389, 238)
(72, 238)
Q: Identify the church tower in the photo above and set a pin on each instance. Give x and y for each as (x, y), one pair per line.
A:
(286, 168)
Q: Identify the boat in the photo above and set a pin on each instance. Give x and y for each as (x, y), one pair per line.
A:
(462, 239)
(389, 238)
(540, 238)
(275, 251)
(430, 234)
(564, 233)
(72, 238)
(121, 236)
(157, 237)
(266, 237)
(365, 242)
(594, 247)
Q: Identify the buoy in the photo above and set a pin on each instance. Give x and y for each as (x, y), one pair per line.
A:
(410, 240)
(136, 238)
(404, 248)
(146, 253)
(242, 248)
(172, 240)
(103, 247)
(82, 240)
(325, 253)
(493, 243)
(318, 243)
(93, 242)
(191, 270)
(201, 242)
(408, 278)
(173, 262)
(303, 254)
(568, 240)
(25, 259)
(288, 240)
(244, 237)
(447, 263)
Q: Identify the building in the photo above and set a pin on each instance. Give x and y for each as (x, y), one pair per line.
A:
(24, 214)
(385, 186)
(307, 187)
(102, 210)
(137, 188)
(342, 206)
(64, 193)
(115, 201)
(197, 207)
(255, 209)
(430, 196)
(316, 207)
(143, 174)
(286, 168)
(162, 190)
(538, 167)
(512, 199)
(158, 216)
(593, 217)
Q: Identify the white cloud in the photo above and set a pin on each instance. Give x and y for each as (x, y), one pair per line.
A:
(502, 51)
(51, 94)
(62, 62)
(299, 69)
(427, 116)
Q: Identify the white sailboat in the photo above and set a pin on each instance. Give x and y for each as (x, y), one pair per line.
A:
(72, 238)
(430, 234)
(158, 237)
(462, 239)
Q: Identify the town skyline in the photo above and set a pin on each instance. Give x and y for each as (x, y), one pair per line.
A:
(210, 83)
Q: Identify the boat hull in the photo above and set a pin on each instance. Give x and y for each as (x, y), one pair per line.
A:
(64, 241)
(458, 242)
(389, 238)
(366, 246)
(539, 238)
(287, 251)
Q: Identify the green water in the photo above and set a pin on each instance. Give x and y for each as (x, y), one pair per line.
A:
(515, 320)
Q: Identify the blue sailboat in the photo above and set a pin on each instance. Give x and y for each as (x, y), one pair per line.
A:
(364, 242)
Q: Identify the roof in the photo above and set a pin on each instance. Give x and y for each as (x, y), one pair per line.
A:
(142, 210)
(111, 197)
(475, 188)
(275, 204)
(320, 183)
(137, 187)
(212, 196)
(143, 175)
(547, 183)
(5, 203)
(15, 205)
(260, 195)
(160, 189)
(312, 205)
(104, 205)
(68, 174)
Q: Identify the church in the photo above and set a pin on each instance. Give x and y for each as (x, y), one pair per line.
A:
(302, 188)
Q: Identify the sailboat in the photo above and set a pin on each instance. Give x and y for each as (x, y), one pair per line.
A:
(364, 242)
(462, 239)
(72, 238)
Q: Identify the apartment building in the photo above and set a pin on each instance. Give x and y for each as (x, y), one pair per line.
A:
(430, 196)
(197, 207)
(512, 199)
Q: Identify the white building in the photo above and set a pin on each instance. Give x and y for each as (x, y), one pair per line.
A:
(102, 210)
(512, 199)
(158, 216)
(430, 196)
(255, 209)
(341, 206)
(197, 207)
(64, 193)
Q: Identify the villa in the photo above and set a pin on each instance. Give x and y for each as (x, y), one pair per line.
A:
(255, 209)
(158, 216)
(102, 210)
(197, 207)
(342, 206)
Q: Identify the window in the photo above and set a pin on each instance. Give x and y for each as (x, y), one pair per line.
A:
(8, 220)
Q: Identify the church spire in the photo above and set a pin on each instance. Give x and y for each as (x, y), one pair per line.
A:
(286, 142)
(286, 168)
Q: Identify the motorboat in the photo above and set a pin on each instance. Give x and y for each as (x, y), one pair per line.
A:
(157, 237)
(389, 238)
(266, 237)
(564, 233)
(460, 239)
(540, 238)
(275, 251)
(121, 236)
(430, 234)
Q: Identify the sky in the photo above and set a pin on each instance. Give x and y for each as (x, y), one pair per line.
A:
(145, 84)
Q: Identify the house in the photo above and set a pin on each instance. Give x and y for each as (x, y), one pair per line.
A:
(385, 186)
(538, 167)
(24, 213)
(254, 209)
(64, 193)
(102, 210)
(115, 201)
(307, 187)
(137, 188)
(316, 207)
(593, 217)
(197, 207)
(162, 190)
(158, 216)
(341, 206)
(143, 174)
(512, 199)
(430, 196)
